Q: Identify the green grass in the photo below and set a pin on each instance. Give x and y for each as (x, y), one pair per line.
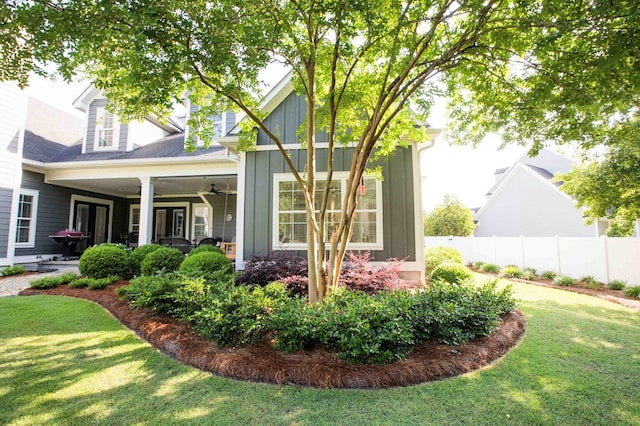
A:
(66, 361)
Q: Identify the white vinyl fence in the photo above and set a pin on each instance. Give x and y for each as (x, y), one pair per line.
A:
(604, 258)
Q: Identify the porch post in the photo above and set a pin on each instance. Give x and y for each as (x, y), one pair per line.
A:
(146, 210)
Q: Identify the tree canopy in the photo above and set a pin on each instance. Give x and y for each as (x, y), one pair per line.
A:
(449, 218)
(560, 70)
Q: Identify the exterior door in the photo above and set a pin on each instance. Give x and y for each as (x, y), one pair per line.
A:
(169, 222)
(92, 219)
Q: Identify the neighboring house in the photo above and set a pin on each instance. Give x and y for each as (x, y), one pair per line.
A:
(135, 183)
(525, 201)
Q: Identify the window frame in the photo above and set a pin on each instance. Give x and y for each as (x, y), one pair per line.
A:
(115, 141)
(342, 178)
(32, 219)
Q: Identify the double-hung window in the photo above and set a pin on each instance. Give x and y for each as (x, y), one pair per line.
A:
(290, 216)
(26, 225)
(107, 130)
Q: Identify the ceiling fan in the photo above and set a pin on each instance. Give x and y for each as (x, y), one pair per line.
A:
(213, 190)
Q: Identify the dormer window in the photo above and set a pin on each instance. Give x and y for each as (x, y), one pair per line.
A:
(106, 130)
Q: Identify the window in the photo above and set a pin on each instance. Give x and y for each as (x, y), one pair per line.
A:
(290, 226)
(201, 222)
(27, 211)
(106, 130)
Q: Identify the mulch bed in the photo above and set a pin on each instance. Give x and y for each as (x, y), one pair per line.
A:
(317, 368)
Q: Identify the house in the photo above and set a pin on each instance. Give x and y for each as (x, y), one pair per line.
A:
(525, 201)
(135, 183)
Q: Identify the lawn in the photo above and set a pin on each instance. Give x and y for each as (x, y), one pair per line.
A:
(66, 361)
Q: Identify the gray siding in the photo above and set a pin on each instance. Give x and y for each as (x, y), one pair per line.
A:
(285, 120)
(397, 194)
(91, 130)
(6, 196)
(53, 212)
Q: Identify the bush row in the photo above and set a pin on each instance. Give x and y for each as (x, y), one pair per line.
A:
(357, 273)
(358, 327)
(107, 260)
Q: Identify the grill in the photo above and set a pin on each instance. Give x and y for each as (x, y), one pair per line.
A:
(69, 240)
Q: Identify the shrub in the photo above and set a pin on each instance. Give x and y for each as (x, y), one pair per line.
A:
(564, 281)
(478, 264)
(632, 292)
(161, 260)
(617, 285)
(138, 254)
(548, 275)
(191, 295)
(153, 292)
(528, 274)
(104, 260)
(13, 270)
(490, 268)
(360, 274)
(438, 255)
(589, 282)
(45, 282)
(205, 263)
(262, 270)
(206, 248)
(456, 314)
(453, 273)
(54, 281)
(510, 271)
(239, 316)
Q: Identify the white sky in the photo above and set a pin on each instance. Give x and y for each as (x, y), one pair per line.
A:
(458, 170)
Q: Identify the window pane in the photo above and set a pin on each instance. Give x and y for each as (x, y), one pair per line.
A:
(367, 201)
(364, 228)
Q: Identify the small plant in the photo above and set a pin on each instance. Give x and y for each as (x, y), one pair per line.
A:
(590, 282)
(45, 282)
(51, 282)
(104, 260)
(13, 270)
(262, 270)
(510, 271)
(361, 275)
(548, 275)
(489, 268)
(528, 274)
(633, 291)
(438, 255)
(81, 282)
(453, 273)
(617, 285)
(205, 263)
(564, 281)
(138, 254)
(478, 264)
(161, 260)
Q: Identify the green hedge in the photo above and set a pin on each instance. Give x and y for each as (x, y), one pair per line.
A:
(104, 260)
(161, 260)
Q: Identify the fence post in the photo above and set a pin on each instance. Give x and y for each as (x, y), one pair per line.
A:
(605, 258)
(557, 237)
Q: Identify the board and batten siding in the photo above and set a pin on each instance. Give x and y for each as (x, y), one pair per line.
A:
(285, 120)
(397, 196)
(11, 119)
(53, 212)
(91, 128)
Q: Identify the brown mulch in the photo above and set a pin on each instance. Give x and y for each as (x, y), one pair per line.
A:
(317, 368)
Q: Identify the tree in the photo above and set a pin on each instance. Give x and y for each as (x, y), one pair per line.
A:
(449, 218)
(358, 64)
(609, 185)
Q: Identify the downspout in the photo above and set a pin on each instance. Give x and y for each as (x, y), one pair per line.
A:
(17, 181)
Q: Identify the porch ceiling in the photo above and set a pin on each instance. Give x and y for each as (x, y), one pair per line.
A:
(164, 186)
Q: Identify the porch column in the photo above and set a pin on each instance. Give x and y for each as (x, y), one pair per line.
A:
(146, 210)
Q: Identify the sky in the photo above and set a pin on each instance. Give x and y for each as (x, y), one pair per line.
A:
(462, 171)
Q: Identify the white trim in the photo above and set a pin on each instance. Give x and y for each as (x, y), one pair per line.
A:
(187, 213)
(17, 181)
(115, 141)
(417, 210)
(29, 258)
(240, 209)
(94, 200)
(209, 208)
(32, 220)
(341, 177)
